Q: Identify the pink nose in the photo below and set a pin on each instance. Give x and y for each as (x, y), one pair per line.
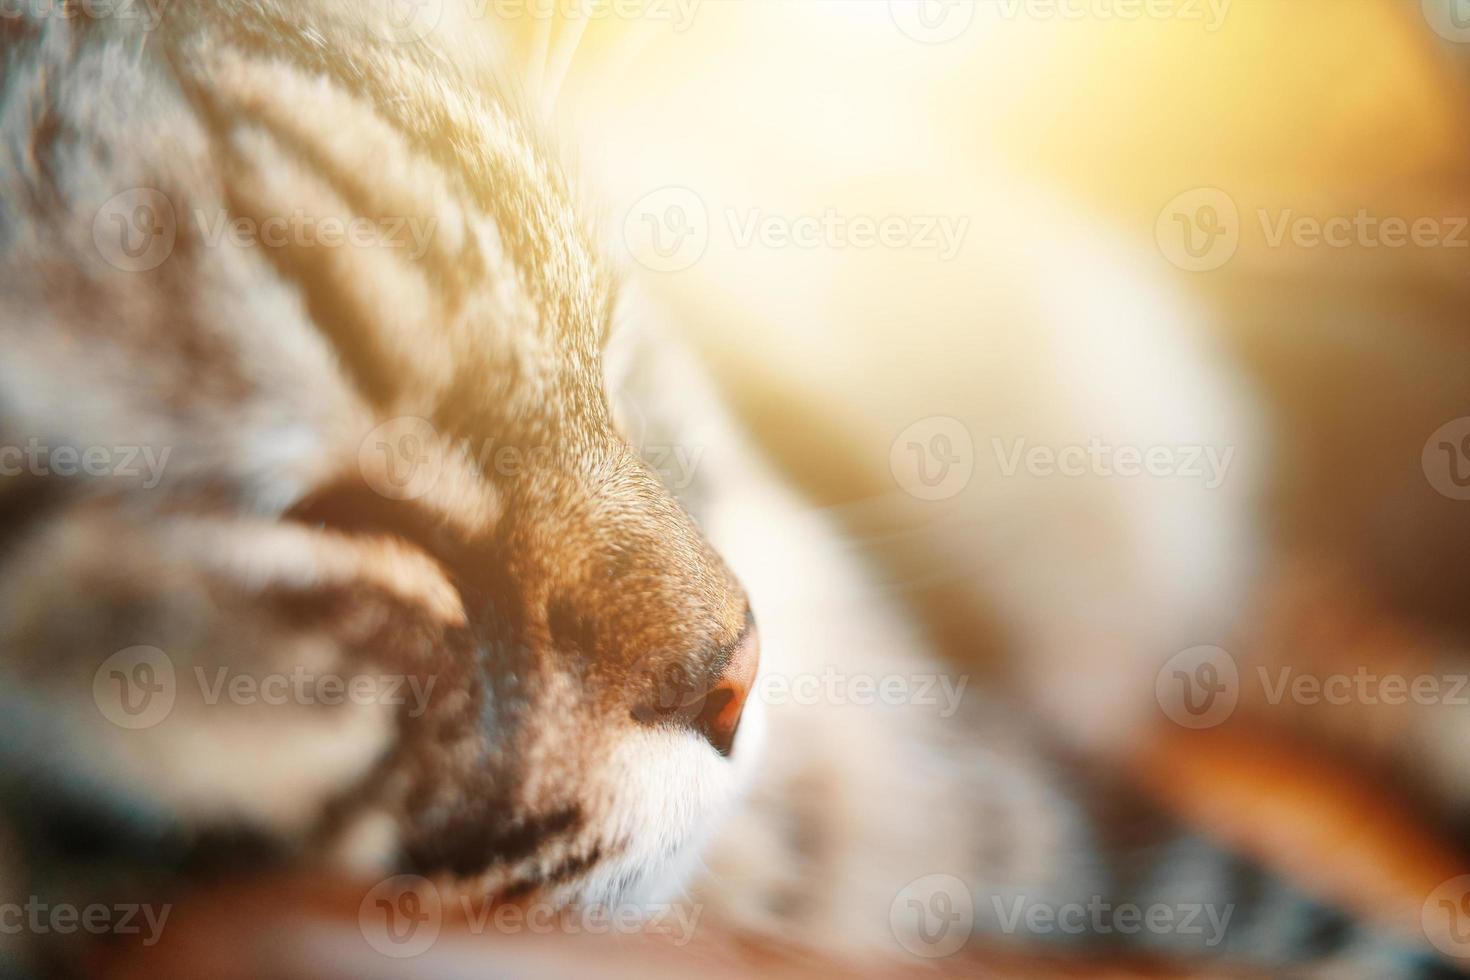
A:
(719, 716)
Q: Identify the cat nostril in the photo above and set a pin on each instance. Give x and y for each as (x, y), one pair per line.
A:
(719, 716)
(712, 710)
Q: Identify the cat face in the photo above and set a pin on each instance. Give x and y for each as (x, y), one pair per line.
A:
(383, 466)
(595, 738)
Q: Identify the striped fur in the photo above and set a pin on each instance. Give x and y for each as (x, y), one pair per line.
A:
(537, 598)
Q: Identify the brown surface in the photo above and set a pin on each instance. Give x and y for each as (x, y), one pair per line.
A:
(1329, 829)
(307, 929)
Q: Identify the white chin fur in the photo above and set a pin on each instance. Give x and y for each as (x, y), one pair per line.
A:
(668, 792)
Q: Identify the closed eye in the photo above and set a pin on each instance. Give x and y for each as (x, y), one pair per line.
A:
(350, 506)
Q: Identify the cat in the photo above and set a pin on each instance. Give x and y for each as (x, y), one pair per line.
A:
(392, 590)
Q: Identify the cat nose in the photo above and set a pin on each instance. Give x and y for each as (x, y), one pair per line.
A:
(719, 717)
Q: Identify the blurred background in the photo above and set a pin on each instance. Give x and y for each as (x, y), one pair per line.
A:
(964, 229)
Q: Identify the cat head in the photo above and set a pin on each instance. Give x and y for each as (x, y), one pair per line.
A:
(402, 592)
